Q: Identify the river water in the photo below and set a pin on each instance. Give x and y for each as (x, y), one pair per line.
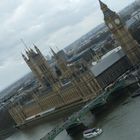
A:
(120, 122)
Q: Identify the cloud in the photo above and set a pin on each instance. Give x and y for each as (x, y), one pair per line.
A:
(43, 22)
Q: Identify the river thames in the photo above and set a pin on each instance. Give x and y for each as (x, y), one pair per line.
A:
(119, 122)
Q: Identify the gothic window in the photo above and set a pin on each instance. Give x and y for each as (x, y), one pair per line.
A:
(46, 81)
(58, 72)
(42, 67)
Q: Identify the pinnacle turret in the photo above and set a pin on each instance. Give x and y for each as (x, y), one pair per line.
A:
(53, 52)
(37, 50)
(106, 10)
(103, 6)
(24, 57)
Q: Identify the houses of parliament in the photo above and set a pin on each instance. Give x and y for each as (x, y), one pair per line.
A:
(64, 84)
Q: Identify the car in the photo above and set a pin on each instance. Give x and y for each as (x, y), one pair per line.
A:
(90, 133)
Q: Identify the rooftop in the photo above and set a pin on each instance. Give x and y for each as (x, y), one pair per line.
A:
(107, 60)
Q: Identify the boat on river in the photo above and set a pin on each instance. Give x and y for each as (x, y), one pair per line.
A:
(90, 133)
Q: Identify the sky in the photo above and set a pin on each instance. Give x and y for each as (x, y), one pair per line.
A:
(45, 23)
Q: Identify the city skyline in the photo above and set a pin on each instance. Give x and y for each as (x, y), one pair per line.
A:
(46, 26)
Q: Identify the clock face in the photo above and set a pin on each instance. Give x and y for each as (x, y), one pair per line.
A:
(117, 21)
(110, 26)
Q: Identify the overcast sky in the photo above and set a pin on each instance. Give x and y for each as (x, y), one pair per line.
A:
(43, 22)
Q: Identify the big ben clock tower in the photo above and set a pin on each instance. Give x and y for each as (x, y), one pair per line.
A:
(121, 33)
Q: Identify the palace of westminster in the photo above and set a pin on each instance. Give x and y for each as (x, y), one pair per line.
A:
(65, 84)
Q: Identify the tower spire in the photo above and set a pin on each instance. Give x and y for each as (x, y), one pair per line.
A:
(25, 58)
(37, 50)
(35, 46)
(106, 11)
(103, 6)
(53, 52)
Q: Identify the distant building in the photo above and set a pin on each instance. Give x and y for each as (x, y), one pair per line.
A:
(135, 19)
(110, 67)
(130, 22)
(136, 15)
(87, 55)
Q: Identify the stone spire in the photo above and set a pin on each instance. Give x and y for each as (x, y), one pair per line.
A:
(36, 48)
(25, 58)
(106, 11)
(103, 6)
(53, 52)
